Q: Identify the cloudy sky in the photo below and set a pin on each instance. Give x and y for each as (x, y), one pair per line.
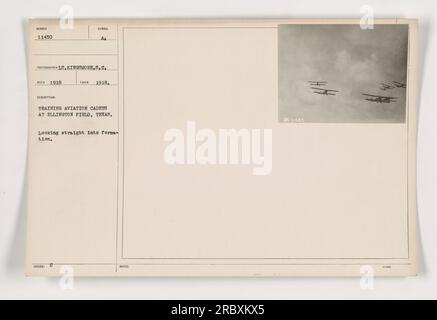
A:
(351, 60)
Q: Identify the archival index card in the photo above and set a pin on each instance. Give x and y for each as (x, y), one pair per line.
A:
(222, 148)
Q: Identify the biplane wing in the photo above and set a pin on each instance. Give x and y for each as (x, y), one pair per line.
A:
(325, 90)
(318, 83)
(377, 96)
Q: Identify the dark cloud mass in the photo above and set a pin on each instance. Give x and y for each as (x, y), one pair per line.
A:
(351, 60)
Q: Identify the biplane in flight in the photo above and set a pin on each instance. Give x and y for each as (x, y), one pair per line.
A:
(379, 99)
(399, 84)
(385, 87)
(326, 92)
(318, 83)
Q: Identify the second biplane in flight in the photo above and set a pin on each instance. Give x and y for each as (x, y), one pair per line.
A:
(379, 99)
(385, 86)
(399, 85)
(326, 92)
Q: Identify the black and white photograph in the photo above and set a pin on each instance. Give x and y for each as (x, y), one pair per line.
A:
(342, 73)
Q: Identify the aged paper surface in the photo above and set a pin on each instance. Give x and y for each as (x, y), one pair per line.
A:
(222, 148)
